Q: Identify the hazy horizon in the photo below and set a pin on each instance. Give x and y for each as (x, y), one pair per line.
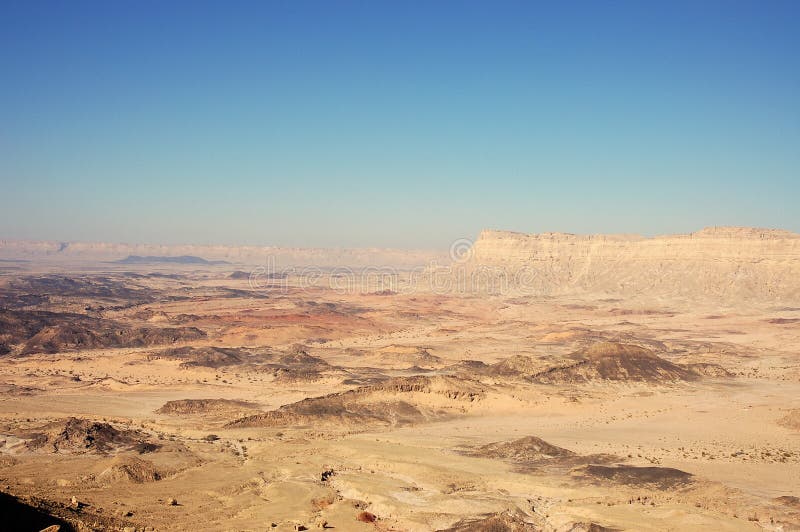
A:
(355, 124)
(459, 242)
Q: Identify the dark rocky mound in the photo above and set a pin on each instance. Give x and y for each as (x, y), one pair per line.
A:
(19, 325)
(66, 337)
(611, 361)
(239, 275)
(297, 365)
(660, 477)
(504, 522)
(416, 370)
(34, 290)
(529, 448)
(207, 356)
(299, 358)
(56, 338)
(334, 411)
(531, 454)
(53, 332)
(475, 366)
(384, 403)
(83, 436)
(204, 406)
(296, 375)
(789, 500)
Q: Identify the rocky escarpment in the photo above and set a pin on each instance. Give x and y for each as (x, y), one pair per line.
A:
(720, 263)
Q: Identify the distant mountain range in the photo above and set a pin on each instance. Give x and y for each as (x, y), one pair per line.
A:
(204, 255)
(182, 259)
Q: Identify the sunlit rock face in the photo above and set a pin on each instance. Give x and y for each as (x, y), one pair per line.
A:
(728, 263)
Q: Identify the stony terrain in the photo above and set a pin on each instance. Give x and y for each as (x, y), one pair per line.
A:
(632, 384)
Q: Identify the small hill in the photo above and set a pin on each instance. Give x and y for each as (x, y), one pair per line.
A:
(401, 356)
(611, 361)
(529, 448)
(396, 401)
(500, 522)
(300, 359)
(78, 435)
(531, 454)
(131, 469)
(206, 357)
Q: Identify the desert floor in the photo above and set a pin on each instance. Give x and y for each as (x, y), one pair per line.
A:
(229, 406)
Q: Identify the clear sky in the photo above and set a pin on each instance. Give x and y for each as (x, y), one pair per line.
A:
(405, 124)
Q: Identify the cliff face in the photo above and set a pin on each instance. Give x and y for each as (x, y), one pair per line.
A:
(727, 263)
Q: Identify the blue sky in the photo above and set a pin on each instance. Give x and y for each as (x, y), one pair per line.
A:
(405, 124)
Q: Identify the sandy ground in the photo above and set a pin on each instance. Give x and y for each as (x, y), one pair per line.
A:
(399, 433)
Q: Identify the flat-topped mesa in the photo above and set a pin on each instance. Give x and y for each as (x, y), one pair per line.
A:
(742, 232)
(718, 262)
